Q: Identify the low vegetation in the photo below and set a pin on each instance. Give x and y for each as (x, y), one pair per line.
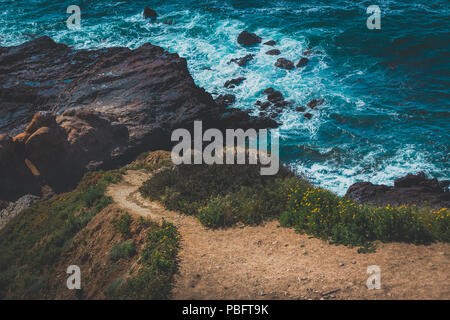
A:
(158, 262)
(31, 244)
(222, 195)
(122, 250)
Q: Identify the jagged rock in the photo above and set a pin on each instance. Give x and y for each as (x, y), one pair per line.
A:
(242, 62)
(270, 43)
(150, 14)
(315, 102)
(300, 109)
(411, 189)
(247, 39)
(303, 61)
(100, 109)
(273, 52)
(234, 82)
(269, 90)
(284, 64)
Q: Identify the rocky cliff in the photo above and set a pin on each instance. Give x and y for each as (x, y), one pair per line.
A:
(93, 109)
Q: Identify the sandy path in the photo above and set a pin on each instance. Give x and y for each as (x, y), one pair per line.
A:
(269, 262)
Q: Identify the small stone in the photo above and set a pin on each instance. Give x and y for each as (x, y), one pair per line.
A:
(273, 52)
(270, 43)
(341, 264)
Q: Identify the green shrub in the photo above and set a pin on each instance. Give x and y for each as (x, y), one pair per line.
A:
(159, 264)
(327, 216)
(123, 223)
(124, 249)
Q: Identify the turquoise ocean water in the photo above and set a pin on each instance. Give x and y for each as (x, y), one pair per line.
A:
(387, 107)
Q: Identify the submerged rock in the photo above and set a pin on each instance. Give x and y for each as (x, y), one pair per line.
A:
(247, 39)
(410, 189)
(150, 14)
(284, 64)
(315, 102)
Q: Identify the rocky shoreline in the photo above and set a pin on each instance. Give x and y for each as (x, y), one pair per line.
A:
(98, 109)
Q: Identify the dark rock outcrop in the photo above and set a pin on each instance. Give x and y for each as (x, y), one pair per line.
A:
(411, 189)
(234, 82)
(273, 52)
(284, 64)
(247, 39)
(150, 14)
(242, 62)
(303, 62)
(98, 109)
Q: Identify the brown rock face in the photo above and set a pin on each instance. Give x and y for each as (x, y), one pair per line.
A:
(411, 189)
(97, 109)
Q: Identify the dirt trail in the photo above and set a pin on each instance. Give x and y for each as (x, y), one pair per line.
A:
(270, 262)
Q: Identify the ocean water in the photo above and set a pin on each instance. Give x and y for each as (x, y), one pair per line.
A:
(387, 91)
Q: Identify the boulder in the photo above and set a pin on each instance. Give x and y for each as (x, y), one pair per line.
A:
(307, 115)
(247, 39)
(284, 64)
